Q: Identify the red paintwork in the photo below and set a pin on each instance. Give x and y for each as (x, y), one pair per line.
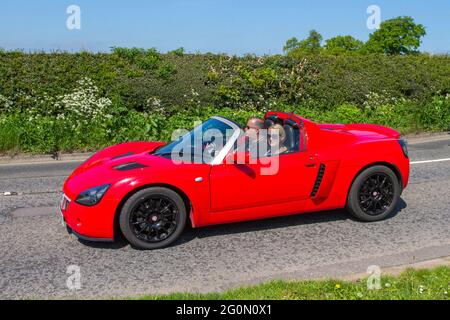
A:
(231, 193)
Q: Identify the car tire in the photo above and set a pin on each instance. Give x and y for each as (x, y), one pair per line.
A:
(369, 198)
(140, 213)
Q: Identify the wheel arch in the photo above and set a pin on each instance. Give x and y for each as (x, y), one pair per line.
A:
(181, 193)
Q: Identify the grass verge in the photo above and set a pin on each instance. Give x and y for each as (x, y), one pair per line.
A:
(425, 284)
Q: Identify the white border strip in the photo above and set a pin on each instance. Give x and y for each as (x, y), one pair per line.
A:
(430, 161)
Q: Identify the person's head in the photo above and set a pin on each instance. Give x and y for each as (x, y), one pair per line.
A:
(277, 135)
(254, 125)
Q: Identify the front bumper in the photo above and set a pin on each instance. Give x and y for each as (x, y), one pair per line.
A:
(81, 237)
(87, 223)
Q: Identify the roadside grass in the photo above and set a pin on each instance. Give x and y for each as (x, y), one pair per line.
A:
(20, 133)
(9, 138)
(426, 284)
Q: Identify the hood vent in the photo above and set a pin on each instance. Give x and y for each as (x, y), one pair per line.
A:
(129, 166)
(123, 155)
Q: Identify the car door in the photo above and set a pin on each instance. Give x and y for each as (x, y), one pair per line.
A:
(282, 179)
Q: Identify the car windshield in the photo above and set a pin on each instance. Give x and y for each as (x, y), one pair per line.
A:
(203, 144)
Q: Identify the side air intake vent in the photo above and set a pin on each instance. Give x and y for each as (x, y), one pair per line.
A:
(130, 166)
(318, 180)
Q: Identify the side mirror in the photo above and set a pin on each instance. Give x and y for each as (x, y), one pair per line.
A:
(238, 158)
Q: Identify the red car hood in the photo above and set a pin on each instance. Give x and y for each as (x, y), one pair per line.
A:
(99, 169)
(363, 131)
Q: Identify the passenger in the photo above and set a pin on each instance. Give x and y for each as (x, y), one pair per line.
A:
(276, 138)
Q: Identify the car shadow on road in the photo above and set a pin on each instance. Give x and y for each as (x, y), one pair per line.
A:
(275, 223)
(190, 233)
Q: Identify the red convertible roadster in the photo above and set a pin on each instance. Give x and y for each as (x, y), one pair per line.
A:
(141, 191)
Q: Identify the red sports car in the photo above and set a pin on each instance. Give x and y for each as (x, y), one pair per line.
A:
(139, 190)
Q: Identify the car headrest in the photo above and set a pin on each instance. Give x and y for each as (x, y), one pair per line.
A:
(268, 123)
(290, 138)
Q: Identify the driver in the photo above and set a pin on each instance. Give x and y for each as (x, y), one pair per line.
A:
(253, 136)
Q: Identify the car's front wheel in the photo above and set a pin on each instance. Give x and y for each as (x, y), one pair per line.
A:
(374, 194)
(153, 218)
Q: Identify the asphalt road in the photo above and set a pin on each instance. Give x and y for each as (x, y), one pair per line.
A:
(36, 251)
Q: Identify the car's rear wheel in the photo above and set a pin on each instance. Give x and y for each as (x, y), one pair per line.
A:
(374, 194)
(153, 218)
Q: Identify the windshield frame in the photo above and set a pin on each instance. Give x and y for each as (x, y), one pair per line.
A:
(230, 143)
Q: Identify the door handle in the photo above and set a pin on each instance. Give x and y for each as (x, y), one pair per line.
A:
(311, 162)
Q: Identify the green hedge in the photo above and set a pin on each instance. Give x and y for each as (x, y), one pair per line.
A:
(83, 101)
(170, 78)
(134, 76)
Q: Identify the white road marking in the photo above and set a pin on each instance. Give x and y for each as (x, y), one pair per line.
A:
(430, 161)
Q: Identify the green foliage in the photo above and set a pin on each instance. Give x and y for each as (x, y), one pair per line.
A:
(10, 132)
(327, 81)
(343, 44)
(291, 44)
(309, 45)
(434, 115)
(262, 83)
(177, 52)
(47, 134)
(83, 101)
(145, 59)
(396, 36)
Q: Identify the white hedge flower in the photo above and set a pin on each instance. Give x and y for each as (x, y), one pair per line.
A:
(154, 102)
(5, 104)
(375, 100)
(84, 102)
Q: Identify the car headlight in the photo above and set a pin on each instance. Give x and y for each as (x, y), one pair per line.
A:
(92, 196)
(404, 146)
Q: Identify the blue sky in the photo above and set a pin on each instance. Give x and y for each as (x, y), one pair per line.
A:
(230, 26)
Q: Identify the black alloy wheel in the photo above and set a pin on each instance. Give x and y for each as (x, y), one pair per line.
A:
(374, 194)
(153, 218)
